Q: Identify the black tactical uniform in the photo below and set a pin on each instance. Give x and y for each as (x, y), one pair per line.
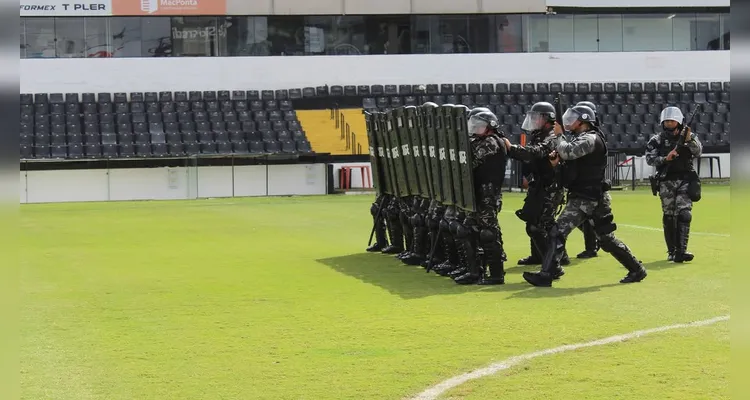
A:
(381, 241)
(588, 198)
(675, 177)
(545, 193)
(489, 161)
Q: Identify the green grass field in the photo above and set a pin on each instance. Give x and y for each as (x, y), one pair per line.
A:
(275, 298)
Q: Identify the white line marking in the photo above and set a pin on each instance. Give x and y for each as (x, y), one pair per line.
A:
(649, 228)
(450, 383)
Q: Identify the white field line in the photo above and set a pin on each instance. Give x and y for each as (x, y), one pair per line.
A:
(450, 383)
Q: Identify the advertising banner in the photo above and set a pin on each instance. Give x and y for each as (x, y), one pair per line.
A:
(90, 8)
(65, 8)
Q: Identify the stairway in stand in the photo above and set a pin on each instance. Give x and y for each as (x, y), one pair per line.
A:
(323, 134)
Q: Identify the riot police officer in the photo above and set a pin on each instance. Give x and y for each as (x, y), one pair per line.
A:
(591, 245)
(377, 209)
(489, 160)
(588, 198)
(545, 193)
(673, 160)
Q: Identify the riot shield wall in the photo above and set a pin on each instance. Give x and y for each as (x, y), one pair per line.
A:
(375, 157)
(429, 118)
(384, 148)
(407, 151)
(420, 169)
(443, 122)
(397, 159)
(463, 166)
(426, 172)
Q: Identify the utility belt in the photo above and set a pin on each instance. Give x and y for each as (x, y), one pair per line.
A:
(694, 190)
(591, 191)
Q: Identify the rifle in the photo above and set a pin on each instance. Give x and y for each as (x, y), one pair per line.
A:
(435, 242)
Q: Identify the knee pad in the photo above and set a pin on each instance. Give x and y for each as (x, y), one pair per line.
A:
(461, 231)
(433, 223)
(606, 243)
(685, 216)
(416, 220)
(444, 225)
(605, 225)
(532, 229)
(487, 236)
(374, 209)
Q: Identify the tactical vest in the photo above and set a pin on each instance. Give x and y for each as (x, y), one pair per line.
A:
(679, 167)
(588, 178)
(542, 171)
(492, 169)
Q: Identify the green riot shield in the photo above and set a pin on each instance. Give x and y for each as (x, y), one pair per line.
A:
(465, 160)
(383, 161)
(385, 148)
(444, 123)
(396, 157)
(375, 160)
(429, 115)
(412, 125)
(424, 144)
(407, 151)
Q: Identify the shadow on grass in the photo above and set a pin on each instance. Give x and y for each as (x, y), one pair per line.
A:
(663, 264)
(411, 282)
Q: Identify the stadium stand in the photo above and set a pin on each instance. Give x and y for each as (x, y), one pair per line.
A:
(167, 124)
(629, 111)
(163, 124)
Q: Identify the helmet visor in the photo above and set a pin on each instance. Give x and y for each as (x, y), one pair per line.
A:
(671, 114)
(476, 126)
(534, 121)
(569, 118)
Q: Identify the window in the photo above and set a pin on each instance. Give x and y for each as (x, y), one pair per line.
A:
(248, 36)
(69, 35)
(197, 36)
(156, 37)
(96, 39)
(334, 35)
(125, 36)
(536, 33)
(610, 32)
(23, 38)
(683, 32)
(560, 33)
(725, 32)
(438, 34)
(286, 35)
(586, 33)
(509, 29)
(388, 34)
(647, 32)
(40, 38)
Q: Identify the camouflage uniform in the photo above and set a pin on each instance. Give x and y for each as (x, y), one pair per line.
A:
(381, 241)
(674, 177)
(545, 193)
(588, 198)
(489, 161)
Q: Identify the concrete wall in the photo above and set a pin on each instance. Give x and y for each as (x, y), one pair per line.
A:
(216, 73)
(171, 183)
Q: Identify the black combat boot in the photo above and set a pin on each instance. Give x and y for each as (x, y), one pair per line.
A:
(551, 269)
(669, 222)
(681, 243)
(621, 252)
(534, 258)
(495, 263)
(590, 242)
(473, 268)
(450, 251)
(380, 238)
(397, 237)
(421, 248)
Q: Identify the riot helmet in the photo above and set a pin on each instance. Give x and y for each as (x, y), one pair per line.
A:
(477, 110)
(481, 123)
(430, 104)
(588, 104)
(578, 113)
(538, 115)
(671, 114)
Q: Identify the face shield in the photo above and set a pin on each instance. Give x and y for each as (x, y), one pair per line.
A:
(477, 126)
(569, 118)
(534, 121)
(671, 114)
